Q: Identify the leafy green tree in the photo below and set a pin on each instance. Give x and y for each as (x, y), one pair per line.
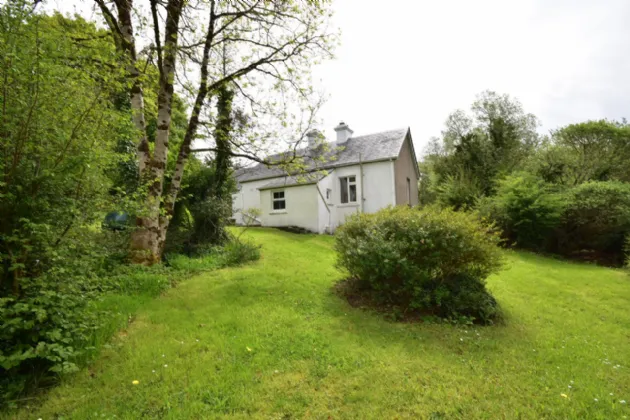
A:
(527, 210)
(477, 149)
(56, 124)
(62, 131)
(588, 151)
(275, 40)
(205, 206)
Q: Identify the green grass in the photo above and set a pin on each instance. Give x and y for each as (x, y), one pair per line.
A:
(271, 340)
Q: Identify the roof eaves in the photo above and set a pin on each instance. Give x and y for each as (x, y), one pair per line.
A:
(413, 151)
(272, 186)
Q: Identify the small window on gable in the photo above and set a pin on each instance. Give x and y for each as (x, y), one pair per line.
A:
(277, 200)
(348, 188)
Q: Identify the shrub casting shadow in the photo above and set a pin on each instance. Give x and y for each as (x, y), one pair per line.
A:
(352, 291)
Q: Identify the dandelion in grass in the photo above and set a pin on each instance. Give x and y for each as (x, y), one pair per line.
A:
(135, 382)
(248, 349)
(595, 399)
(611, 394)
(165, 365)
(564, 395)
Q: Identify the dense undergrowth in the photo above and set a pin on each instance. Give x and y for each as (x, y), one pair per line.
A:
(65, 316)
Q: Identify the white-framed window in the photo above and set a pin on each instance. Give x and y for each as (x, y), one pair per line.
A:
(277, 200)
(348, 189)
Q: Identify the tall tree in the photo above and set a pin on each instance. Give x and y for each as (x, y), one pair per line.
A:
(479, 147)
(56, 144)
(278, 40)
(587, 151)
(223, 131)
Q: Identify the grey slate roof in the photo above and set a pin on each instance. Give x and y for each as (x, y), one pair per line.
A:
(368, 148)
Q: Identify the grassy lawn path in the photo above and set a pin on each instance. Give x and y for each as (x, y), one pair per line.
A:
(270, 340)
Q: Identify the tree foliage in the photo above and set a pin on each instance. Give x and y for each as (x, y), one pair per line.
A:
(478, 148)
(277, 41)
(527, 209)
(57, 121)
(551, 194)
(596, 220)
(588, 151)
(62, 131)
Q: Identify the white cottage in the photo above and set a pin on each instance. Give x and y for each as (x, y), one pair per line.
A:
(359, 174)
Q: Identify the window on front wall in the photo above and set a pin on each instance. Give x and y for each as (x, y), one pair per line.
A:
(348, 186)
(277, 200)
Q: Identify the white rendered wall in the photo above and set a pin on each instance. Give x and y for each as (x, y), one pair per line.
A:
(248, 197)
(378, 189)
(301, 207)
(305, 206)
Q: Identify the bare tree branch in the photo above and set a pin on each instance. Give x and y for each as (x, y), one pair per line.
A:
(156, 32)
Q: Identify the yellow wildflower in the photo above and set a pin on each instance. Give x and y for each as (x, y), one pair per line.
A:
(135, 382)
(248, 349)
(564, 395)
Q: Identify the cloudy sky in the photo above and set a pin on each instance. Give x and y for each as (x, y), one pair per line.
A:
(410, 63)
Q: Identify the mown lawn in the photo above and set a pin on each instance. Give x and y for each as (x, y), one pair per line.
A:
(271, 340)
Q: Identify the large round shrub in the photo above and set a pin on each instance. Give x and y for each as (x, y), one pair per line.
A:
(597, 219)
(432, 260)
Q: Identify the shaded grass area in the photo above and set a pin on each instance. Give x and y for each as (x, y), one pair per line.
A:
(271, 340)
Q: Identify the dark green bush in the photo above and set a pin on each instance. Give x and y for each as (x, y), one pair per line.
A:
(525, 208)
(596, 219)
(233, 253)
(201, 216)
(458, 192)
(429, 260)
(49, 327)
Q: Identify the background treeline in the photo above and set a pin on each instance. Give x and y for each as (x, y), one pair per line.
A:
(67, 159)
(567, 193)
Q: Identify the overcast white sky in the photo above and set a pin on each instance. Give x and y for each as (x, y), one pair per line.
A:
(411, 63)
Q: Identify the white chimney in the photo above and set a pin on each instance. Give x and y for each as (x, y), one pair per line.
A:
(314, 138)
(343, 132)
